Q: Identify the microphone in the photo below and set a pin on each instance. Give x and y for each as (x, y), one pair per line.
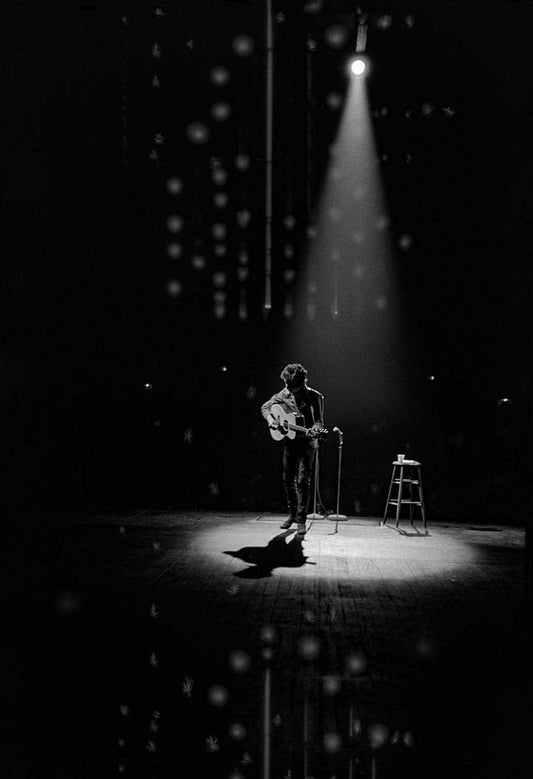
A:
(336, 430)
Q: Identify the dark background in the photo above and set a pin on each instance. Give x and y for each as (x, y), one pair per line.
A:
(87, 316)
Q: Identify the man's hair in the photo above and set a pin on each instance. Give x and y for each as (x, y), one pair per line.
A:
(294, 371)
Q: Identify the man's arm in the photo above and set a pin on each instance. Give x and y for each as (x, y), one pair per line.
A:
(265, 408)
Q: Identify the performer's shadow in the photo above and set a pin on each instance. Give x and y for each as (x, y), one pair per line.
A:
(277, 554)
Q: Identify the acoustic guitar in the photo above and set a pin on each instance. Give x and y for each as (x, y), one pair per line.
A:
(287, 427)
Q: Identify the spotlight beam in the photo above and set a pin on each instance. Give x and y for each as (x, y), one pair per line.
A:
(348, 299)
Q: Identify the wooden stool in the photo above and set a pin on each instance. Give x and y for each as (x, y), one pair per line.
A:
(408, 473)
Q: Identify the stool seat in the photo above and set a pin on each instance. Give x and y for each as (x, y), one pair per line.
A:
(409, 473)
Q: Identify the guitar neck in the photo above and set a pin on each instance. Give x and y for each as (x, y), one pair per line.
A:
(297, 428)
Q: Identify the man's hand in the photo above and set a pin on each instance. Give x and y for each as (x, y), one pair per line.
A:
(272, 422)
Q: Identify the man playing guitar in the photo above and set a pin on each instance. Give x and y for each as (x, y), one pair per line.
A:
(300, 440)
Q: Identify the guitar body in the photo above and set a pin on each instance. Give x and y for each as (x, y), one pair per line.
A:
(284, 419)
(287, 427)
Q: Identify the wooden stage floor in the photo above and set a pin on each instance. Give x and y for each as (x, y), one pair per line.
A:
(165, 644)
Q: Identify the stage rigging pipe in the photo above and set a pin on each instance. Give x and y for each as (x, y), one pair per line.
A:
(310, 141)
(268, 154)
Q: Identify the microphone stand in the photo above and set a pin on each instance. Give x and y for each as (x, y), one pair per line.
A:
(338, 517)
(315, 514)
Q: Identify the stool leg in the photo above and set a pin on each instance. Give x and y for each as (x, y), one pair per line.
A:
(400, 488)
(411, 504)
(421, 497)
(388, 496)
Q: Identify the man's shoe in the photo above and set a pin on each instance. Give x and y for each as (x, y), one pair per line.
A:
(288, 522)
(301, 528)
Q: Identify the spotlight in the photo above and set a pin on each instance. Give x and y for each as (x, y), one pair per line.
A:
(358, 66)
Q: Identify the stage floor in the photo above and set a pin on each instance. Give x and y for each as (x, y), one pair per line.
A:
(156, 644)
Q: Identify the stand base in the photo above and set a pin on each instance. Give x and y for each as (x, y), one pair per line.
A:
(337, 517)
(315, 516)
